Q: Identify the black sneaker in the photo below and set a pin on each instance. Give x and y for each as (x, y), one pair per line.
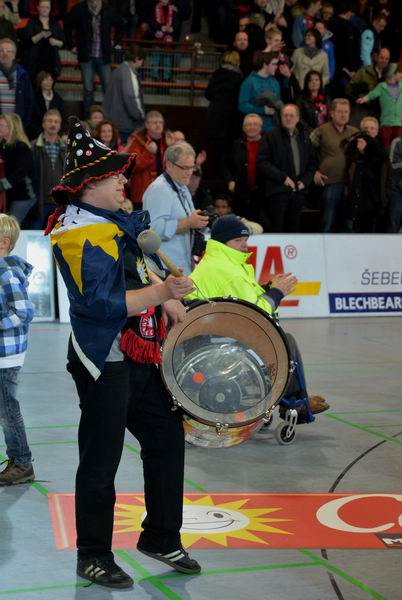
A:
(178, 560)
(103, 572)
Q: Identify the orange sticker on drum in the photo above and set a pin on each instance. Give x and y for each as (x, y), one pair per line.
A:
(198, 377)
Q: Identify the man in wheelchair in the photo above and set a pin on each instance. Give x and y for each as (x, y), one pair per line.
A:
(224, 272)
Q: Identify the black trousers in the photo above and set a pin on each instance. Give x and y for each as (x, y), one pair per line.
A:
(127, 395)
(285, 212)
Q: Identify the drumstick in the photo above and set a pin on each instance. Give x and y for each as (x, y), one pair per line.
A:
(150, 242)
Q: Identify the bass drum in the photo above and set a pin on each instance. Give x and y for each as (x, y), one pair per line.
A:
(226, 367)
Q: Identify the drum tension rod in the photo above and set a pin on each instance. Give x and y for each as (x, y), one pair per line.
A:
(221, 428)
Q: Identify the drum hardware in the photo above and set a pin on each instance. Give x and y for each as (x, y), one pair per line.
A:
(267, 418)
(292, 366)
(221, 428)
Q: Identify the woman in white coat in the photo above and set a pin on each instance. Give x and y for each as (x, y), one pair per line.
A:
(310, 58)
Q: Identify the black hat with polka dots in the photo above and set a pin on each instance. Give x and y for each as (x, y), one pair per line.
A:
(87, 160)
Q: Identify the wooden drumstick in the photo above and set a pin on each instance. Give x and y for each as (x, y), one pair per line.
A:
(150, 242)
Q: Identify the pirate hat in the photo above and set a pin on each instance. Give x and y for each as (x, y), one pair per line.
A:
(87, 160)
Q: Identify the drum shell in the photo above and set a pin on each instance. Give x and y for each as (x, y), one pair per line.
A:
(251, 327)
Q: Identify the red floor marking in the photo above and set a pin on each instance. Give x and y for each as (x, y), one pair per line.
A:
(258, 521)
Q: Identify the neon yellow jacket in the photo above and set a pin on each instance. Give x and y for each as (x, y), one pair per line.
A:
(223, 272)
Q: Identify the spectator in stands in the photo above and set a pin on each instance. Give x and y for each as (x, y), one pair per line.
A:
(241, 45)
(240, 168)
(88, 28)
(395, 201)
(171, 208)
(19, 178)
(273, 38)
(346, 57)
(327, 45)
(367, 78)
(174, 137)
(16, 93)
(370, 39)
(289, 18)
(124, 99)
(327, 12)
(45, 98)
(365, 157)
(260, 91)
(41, 40)
(313, 102)
(163, 28)
(149, 145)
(8, 19)
(305, 22)
(48, 153)
(286, 164)
(389, 94)
(310, 58)
(331, 175)
(201, 195)
(223, 206)
(271, 9)
(96, 114)
(9, 10)
(107, 133)
(223, 93)
(128, 11)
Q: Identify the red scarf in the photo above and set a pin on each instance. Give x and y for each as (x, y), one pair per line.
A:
(164, 15)
(321, 107)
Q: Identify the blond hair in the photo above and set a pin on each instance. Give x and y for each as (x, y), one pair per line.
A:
(272, 32)
(17, 132)
(231, 57)
(9, 228)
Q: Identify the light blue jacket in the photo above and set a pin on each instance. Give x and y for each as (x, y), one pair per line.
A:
(166, 210)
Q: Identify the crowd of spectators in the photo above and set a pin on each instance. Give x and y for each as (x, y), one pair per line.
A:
(305, 110)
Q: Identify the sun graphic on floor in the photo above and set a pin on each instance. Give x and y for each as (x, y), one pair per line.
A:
(203, 519)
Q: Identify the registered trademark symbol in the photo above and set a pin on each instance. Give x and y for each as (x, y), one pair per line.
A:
(290, 252)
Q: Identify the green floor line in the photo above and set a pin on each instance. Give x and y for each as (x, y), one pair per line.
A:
(145, 575)
(48, 588)
(383, 436)
(334, 569)
(300, 565)
(385, 425)
(365, 412)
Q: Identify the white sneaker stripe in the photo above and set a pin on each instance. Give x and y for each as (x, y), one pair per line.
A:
(174, 556)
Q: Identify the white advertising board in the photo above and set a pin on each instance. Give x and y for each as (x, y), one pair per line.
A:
(302, 255)
(339, 275)
(36, 249)
(364, 274)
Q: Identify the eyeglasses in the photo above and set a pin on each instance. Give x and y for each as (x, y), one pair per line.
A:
(185, 168)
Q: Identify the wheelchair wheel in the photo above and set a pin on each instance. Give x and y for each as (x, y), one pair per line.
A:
(281, 434)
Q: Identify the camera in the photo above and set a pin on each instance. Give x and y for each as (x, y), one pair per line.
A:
(210, 212)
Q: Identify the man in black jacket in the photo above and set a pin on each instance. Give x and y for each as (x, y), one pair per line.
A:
(88, 29)
(286, 164)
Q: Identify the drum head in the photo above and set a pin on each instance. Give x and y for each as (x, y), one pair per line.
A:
(226, 364)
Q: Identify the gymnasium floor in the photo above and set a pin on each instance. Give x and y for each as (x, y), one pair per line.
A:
(279, 548)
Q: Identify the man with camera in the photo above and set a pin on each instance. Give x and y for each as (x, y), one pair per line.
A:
(172, 212)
